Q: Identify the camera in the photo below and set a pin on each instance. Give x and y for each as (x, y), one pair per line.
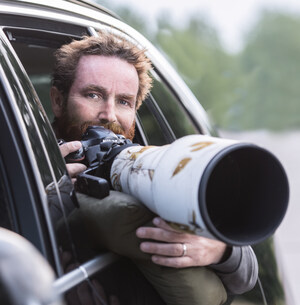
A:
(99, 147)
(233, 191)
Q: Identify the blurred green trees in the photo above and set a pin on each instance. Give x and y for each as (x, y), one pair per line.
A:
(258, 88)
(208, 70)
(270, 67)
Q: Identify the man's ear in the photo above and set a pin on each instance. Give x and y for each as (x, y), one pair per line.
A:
(57, 101)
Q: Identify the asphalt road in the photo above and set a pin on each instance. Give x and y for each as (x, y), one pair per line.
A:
(286, 146)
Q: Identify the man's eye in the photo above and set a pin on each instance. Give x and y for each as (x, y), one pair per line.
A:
(125, 103)
(93, 95)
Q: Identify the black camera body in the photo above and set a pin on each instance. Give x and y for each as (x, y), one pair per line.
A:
(97, 143)
(99, 148)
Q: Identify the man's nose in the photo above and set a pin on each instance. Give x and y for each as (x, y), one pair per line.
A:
(108, 112)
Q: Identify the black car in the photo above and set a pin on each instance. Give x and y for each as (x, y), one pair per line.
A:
(35, 190)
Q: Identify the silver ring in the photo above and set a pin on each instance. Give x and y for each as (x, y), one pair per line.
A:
(184, 249)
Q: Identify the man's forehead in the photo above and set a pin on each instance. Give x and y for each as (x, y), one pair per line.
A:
(104, 60)
(99, 63)
(106, 73)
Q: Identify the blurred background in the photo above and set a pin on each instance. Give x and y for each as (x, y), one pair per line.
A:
(241, 59)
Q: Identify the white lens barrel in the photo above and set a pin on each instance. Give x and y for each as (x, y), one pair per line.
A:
(233, 191)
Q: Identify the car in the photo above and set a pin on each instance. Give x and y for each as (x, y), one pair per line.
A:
(36, 193)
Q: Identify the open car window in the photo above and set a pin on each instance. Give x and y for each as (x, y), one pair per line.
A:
(35, 49)
(159, 115)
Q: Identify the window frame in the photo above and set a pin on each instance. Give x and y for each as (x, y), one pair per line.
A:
(42, 225)
(23, 190)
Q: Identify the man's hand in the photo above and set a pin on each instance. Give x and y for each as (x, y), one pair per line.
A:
(168, 249)
(73, 168)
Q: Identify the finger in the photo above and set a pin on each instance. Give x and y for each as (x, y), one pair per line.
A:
(174, 262)
(75, 168)
(159, 234)
(69, 147)
(172, 250)
(160, 223)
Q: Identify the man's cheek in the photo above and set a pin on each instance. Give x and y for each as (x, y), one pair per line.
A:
(80, 111)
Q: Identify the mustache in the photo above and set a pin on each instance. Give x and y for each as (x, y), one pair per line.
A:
(71, 129)
(113, 126)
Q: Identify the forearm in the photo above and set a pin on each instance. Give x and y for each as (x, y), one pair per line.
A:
(239, 272)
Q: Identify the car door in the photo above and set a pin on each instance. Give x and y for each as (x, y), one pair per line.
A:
(36, 190)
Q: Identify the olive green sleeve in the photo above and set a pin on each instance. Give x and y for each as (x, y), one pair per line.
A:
(111, 223)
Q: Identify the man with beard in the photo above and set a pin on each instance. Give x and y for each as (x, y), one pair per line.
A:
(103, 81)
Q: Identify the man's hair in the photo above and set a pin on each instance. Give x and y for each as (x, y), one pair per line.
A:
(106, 44)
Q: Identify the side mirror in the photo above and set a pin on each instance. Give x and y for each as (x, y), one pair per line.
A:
(25, 276)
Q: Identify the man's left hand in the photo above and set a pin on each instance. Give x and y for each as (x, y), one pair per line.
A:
(167, 246)
(73, 168)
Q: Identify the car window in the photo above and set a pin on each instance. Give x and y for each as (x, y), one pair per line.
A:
(175, 114)
(57, 200)
(150, 125)
(35, 50)
(162, 117)
(159, 115)
(155, 125)
(19, 190)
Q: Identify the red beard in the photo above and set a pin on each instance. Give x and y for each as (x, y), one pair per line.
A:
(67, 129)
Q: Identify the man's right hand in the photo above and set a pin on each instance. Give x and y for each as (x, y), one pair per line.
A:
(73, 168)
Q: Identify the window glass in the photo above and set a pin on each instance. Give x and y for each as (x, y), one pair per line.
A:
(35, 50)
(162, 116)
(42, 85)
(36, 57)
(176, 116)
(5, 215)
(150, 124)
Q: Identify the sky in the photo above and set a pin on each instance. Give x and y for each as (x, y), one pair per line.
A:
(231, 18)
